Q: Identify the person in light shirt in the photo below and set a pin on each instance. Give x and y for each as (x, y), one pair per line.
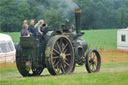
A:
(38, 27)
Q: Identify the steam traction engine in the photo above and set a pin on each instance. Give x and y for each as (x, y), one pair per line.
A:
(59, 52)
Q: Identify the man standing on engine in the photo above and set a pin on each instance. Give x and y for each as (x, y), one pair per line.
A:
(31, 28)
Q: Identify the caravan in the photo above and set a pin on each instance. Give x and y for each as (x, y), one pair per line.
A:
(7, 49)
(122, 39)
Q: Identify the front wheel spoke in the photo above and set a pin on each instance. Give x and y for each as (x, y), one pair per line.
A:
(90, 57)
(90, 65)
(96, 62)
(94, 55)
(93, 67)
(89, 61)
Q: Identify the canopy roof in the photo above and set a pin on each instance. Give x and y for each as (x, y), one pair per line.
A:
(4, 37)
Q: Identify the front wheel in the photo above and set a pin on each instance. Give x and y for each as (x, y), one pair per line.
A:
(93, 61)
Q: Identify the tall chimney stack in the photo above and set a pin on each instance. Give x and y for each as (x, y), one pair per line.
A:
(77, 18)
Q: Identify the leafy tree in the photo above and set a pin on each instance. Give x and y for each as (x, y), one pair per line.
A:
(95, 13)
(12, 14)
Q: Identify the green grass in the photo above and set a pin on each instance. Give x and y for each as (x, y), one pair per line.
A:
(110, 74)
(15, 36)
(99, 39)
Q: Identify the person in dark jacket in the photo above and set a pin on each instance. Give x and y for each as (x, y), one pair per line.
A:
(44, 28)
(25, 31)
(31, 28)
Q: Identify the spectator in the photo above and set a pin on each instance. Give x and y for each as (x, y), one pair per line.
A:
(31, 28)
(25, 31)
(25, 22)
(44, 28)
(38, 27)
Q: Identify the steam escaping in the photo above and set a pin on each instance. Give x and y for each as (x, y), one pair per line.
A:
(67, 4)
(65, 7)
(60, 10)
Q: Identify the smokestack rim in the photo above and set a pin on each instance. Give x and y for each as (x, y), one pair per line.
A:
(77, 10)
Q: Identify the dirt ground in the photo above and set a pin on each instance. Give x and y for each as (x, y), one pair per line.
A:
(107, 56)
(114, 56)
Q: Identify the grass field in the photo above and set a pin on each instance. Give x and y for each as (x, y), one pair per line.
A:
(114, 67)
(99, 39)
(110, 74)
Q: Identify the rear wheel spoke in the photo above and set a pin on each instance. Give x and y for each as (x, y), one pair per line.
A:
(54, 61)
(62, 67)
(58, 47)
(58, 69)
(55, 57)
(65, 51)
(66, 59)
(65, 47)
(61, 42)
(68, 54)
(66, 63)
(56, 51)
(56, 64)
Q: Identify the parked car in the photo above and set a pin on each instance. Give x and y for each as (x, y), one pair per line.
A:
(7, 49)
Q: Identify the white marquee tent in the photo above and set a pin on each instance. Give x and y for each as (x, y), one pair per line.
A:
(7, 49)
(122, 39)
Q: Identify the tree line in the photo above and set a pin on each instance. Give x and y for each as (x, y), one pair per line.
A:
(96, 14)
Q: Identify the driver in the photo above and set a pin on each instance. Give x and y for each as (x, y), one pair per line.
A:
(41, 27)
(38, 27)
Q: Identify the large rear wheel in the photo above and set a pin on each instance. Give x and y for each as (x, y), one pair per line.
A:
(59, 55)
